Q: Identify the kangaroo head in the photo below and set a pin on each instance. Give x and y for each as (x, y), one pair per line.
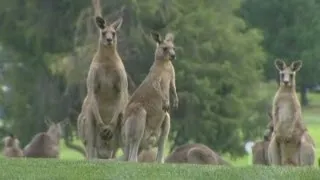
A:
(55, 129)
(165, 47)
(288, 73)
(11, 141)
(108, 33)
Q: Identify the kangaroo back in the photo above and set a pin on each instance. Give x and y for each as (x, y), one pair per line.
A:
(147, 156)
(260, 153)
(41, 146)
(195, 154)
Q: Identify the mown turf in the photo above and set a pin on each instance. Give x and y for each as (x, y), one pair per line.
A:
(33, 169)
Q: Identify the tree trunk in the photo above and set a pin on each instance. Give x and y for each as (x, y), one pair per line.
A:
(303, 96)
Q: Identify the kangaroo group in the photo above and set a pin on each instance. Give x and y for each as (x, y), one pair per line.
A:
(138, 123)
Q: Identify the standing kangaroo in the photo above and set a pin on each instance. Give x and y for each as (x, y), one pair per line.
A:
(290, 143)
(195, 154)
(46, 144)
(11, 147)
(107, 91)
(146, 120)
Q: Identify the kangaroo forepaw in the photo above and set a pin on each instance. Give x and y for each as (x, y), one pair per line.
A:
(165, 107)
(106, 133)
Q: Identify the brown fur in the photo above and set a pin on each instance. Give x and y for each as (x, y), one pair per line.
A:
(260, 148)
(146, 123)
(107, 87)
(260, 153)
(147, 156)
(45, 144)
(195, 154)
(290, 143)
(11, 147)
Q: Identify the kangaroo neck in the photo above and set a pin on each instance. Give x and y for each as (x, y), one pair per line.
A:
(107, 53)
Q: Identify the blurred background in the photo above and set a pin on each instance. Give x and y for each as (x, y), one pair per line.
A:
(225, 72)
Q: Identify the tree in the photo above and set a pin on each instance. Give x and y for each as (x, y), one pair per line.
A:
(291, 29)
(218, 67)
(37, 33)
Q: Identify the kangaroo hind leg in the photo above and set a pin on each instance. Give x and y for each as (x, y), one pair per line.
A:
(134, 130)
(165, 128)
(274, 152)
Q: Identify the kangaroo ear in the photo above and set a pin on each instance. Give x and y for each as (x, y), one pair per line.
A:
(100, 22)
(47, 121)
(296, 65)
(169, 37)
(117, 24)
(156, 37)
(280, 64)
(64, 123)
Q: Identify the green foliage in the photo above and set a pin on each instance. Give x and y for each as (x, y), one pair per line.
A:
(218, 69)
(32, 31)
(218, 74)
(75, 170)
(218, 66)
(292, 31)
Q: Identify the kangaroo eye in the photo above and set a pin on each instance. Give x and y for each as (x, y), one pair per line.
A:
(103, 33)
(165, 49)
(113, 34)
(291, 75)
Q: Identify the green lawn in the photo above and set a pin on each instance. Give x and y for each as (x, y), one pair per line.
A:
(32, 169)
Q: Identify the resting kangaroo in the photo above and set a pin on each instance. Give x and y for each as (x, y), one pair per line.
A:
(195, 154)
(45, 144)
(146, 121)
(260, 148)
(290, 143)
(147, 156)
(11, 147)
(107, 91)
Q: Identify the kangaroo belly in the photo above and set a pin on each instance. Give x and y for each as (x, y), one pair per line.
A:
(286, 121)
(107, 111)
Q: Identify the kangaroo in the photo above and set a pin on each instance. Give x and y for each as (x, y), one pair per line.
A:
(147, 156)
(290, 142)
(11, 147)
(146, 118)
(107, 90)
(46, 144)
(260, 148)
(195, 154)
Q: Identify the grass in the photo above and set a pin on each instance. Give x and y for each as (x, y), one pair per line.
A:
(33, 169)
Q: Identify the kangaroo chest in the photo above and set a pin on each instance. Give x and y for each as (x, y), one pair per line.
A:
(286, 111)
